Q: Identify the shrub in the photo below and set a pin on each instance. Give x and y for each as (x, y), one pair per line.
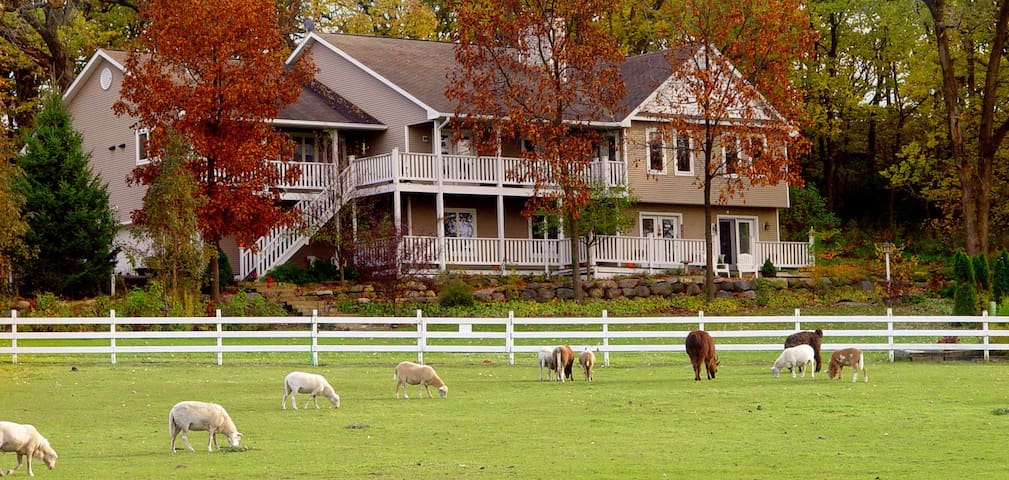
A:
(298, 275)
(982, 272)
(456, 293)
(1000, 277)
(965, 301)
(148, 302)
(768, 269)
(242, 304)
(47, 304)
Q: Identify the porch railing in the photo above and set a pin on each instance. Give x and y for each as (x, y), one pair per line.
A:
(399, 166)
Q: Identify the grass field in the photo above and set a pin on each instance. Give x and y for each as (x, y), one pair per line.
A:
(644, 417)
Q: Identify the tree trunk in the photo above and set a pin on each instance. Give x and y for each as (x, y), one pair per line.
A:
(709, 256)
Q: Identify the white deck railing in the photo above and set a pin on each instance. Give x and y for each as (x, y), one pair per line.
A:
(314, 175)
(638, 253)
(112, 336)
(399, 166)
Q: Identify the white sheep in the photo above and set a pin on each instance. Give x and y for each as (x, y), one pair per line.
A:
(310, 383)
(587, 360)
(794, 358)
(27, 442)
(209, 417)
(417, 374)
(546, 360)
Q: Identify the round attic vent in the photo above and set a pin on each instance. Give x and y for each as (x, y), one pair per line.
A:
(106, 78)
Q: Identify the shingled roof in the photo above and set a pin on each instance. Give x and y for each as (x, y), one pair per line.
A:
(420, 68)
(317, 103)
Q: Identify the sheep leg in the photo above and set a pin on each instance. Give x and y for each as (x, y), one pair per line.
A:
(812, 371)
(310, 398)
(212, 441)
(11, 471)
(185, 439)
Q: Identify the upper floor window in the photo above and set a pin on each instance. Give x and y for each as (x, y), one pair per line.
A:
(730, 154)
(656, 152)
(143, 155)
(304, 148)
(684, 157)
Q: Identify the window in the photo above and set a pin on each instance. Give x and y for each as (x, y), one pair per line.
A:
(304, 148)
(660, 225)
(460, 223)
(684, 157)
(609, 149)
(730, 154)
(656, 152)
(143, 137)
(542, 227)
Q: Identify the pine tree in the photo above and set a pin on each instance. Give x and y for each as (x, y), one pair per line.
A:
(70, 225)
(965, 295)
(1000, 277)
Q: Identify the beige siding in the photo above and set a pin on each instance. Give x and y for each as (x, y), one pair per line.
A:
(101, 129)
(421, 138)
(363, 90)
(423, 215)
(677, 189)
(693, 218)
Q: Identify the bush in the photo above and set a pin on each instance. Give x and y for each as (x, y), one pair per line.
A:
(965, 301)
(982, 272)
(298, 275)
(145, 303)
(456, 293)
(768, 269)
(1000, 277)
(242, 304)
(47, 304)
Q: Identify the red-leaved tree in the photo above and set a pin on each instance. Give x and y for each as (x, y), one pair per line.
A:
(539, 72)
(215, 73)
(730, 93)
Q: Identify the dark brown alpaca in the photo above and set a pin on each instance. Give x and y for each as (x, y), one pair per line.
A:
(701, 349)
(813, 339)
(564, 358)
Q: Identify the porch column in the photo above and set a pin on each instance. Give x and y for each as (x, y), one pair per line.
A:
(397, 201)
(500, 232)
(439, 197)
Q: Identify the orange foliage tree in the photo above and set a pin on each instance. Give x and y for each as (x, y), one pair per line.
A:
(539, 73)
(731, 95)
(215, 73)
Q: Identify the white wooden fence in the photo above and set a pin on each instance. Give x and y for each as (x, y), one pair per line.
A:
(509, 335)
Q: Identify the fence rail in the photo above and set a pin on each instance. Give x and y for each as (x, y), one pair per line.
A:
(508, 335)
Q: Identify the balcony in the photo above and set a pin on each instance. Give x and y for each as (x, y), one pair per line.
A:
(432, 169)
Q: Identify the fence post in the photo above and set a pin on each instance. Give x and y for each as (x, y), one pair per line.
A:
(797, 320)
(14, 335)
(315, 338)
(220, 340)
(510, 337)
(421, 337)
(700, 323)
(112, 335)
(606, 339)
(889, 328)
(984, 334)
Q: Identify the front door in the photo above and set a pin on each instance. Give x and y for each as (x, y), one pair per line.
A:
(735, 236)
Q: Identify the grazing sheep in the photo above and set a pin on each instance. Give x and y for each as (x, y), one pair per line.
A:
(564, 359)
(793, 358)
(813, 339)
(27, 442)
(310, 383)
(211, 417)
(587, 360)
(417, 374)
(701, 349)
(546, 360)
(847, 357)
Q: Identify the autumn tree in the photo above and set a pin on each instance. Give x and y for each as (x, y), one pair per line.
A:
(539, 72)
(731, 95)
(168, 221)
(215, 73)
(41, 42)
(971, 40)
(12, 222)
(71, 227)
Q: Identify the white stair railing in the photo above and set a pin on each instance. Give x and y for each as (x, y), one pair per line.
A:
(282, 243)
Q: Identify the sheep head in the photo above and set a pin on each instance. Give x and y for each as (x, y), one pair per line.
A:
(443, 391)
(774, 371)
(234, 438)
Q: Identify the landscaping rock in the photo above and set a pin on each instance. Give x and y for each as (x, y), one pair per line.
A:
(662, 288)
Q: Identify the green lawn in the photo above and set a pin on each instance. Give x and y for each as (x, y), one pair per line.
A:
(643, 417)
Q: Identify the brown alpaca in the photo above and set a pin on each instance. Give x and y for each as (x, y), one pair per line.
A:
(847, 357)
(813, 339)
(564, 359)
(701, 349)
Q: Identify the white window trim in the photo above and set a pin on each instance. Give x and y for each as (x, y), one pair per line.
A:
(658, 216)
(471, 211)
(690, 155)
(529, 223)
(648, 151)
(137, 141)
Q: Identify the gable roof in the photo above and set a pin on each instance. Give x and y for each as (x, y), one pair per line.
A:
(316, 105)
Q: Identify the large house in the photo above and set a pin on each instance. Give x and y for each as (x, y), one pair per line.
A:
(373, 125)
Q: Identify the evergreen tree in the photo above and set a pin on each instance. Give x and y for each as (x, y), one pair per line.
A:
(1000, 277)
(982, 272)
(70, 225)
(12, 223)
(965, 296)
